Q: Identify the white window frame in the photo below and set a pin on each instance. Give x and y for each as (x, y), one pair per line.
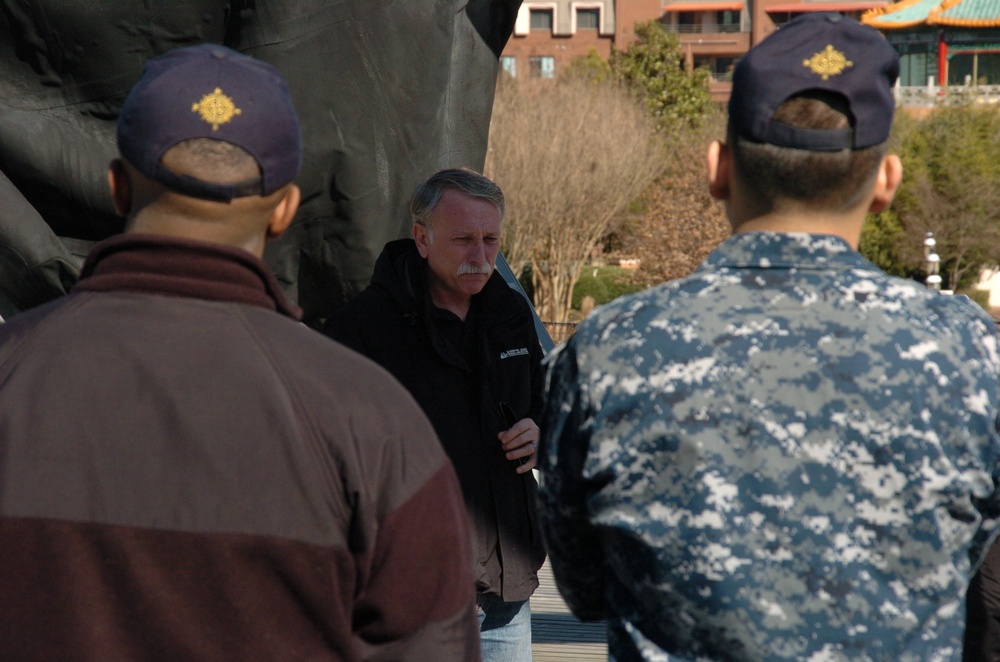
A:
(599, 6)
(512, 69)
(522, 24)
(542, 58)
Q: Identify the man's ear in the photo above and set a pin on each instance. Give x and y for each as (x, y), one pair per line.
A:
(718, 163)
(890, 174)
(121, 187)
(422, 238)
(284, 212)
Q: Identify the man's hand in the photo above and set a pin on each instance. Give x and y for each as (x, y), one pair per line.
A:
(520, 443)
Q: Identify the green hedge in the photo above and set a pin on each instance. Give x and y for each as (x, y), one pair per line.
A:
(604, 284)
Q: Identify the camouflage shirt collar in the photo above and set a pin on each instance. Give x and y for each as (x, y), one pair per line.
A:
(784, 250)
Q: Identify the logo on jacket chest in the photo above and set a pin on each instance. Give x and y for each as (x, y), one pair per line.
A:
(506, 354)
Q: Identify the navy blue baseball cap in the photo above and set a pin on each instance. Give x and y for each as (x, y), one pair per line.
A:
(817, 52)
(210, 91)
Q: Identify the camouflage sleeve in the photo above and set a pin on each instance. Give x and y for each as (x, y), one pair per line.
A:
(574, 545)
(985, 342)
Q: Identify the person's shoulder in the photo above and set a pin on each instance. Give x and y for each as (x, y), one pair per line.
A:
(371, 306)
(319, 364)
(919, 318)
(519, 305)
(290, 337)
(372, 298)
(367, 301)
(503, 308)
(500, 291)
(26, 323)
(916, 299)
(976, 326)
(674, 300)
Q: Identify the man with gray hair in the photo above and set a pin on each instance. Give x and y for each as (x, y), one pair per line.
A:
(439, 318)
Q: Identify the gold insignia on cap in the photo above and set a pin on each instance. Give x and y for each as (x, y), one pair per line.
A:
(216, 108)
(828, 62)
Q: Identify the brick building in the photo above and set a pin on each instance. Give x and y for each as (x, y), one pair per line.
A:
(716, 33)
(548, 34)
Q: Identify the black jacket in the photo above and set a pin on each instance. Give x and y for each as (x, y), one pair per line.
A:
(391, 323)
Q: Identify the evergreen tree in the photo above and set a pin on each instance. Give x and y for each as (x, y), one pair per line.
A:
(654, 64)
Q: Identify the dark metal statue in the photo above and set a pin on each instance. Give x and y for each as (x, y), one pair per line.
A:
(389, 92)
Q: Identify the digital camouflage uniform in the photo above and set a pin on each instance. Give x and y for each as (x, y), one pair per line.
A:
(787, 455)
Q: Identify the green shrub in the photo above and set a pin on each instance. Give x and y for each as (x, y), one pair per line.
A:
(604, 284)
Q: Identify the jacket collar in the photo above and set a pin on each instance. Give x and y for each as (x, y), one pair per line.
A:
(785, 250)
(402, 274)
(171, 266)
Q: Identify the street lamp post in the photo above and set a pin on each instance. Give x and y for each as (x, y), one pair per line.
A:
(932, 262)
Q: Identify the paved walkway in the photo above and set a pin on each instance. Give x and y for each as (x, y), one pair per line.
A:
(557, 635)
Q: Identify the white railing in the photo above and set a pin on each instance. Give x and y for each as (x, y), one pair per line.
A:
(702, 28)
(934, 95)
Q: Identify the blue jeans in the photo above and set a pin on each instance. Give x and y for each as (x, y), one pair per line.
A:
(504, 629)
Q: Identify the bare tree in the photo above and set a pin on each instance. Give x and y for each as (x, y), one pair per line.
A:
(569, 154)
(679, 223)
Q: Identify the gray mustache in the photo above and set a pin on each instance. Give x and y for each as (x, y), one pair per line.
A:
(467, 268)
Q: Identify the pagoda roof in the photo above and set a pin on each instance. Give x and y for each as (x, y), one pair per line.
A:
(951, 13)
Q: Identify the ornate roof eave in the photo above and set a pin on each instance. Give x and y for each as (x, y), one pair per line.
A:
(934, 19)
(969, 22)
(877, 18)
(893, 25)
(872, 16)
(934, 13)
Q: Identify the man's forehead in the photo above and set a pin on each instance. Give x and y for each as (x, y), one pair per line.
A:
(464, 213)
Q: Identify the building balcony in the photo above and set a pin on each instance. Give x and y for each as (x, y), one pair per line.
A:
(700, 28)
(699, 44)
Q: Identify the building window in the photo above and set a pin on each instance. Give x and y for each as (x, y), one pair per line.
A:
(542, 66)
(728, 21)
(916, 64)
(973, 68)
(588, 19)
(685, 22)
(721, 68)
(780, 18)
(508, 63)
(541, 19)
